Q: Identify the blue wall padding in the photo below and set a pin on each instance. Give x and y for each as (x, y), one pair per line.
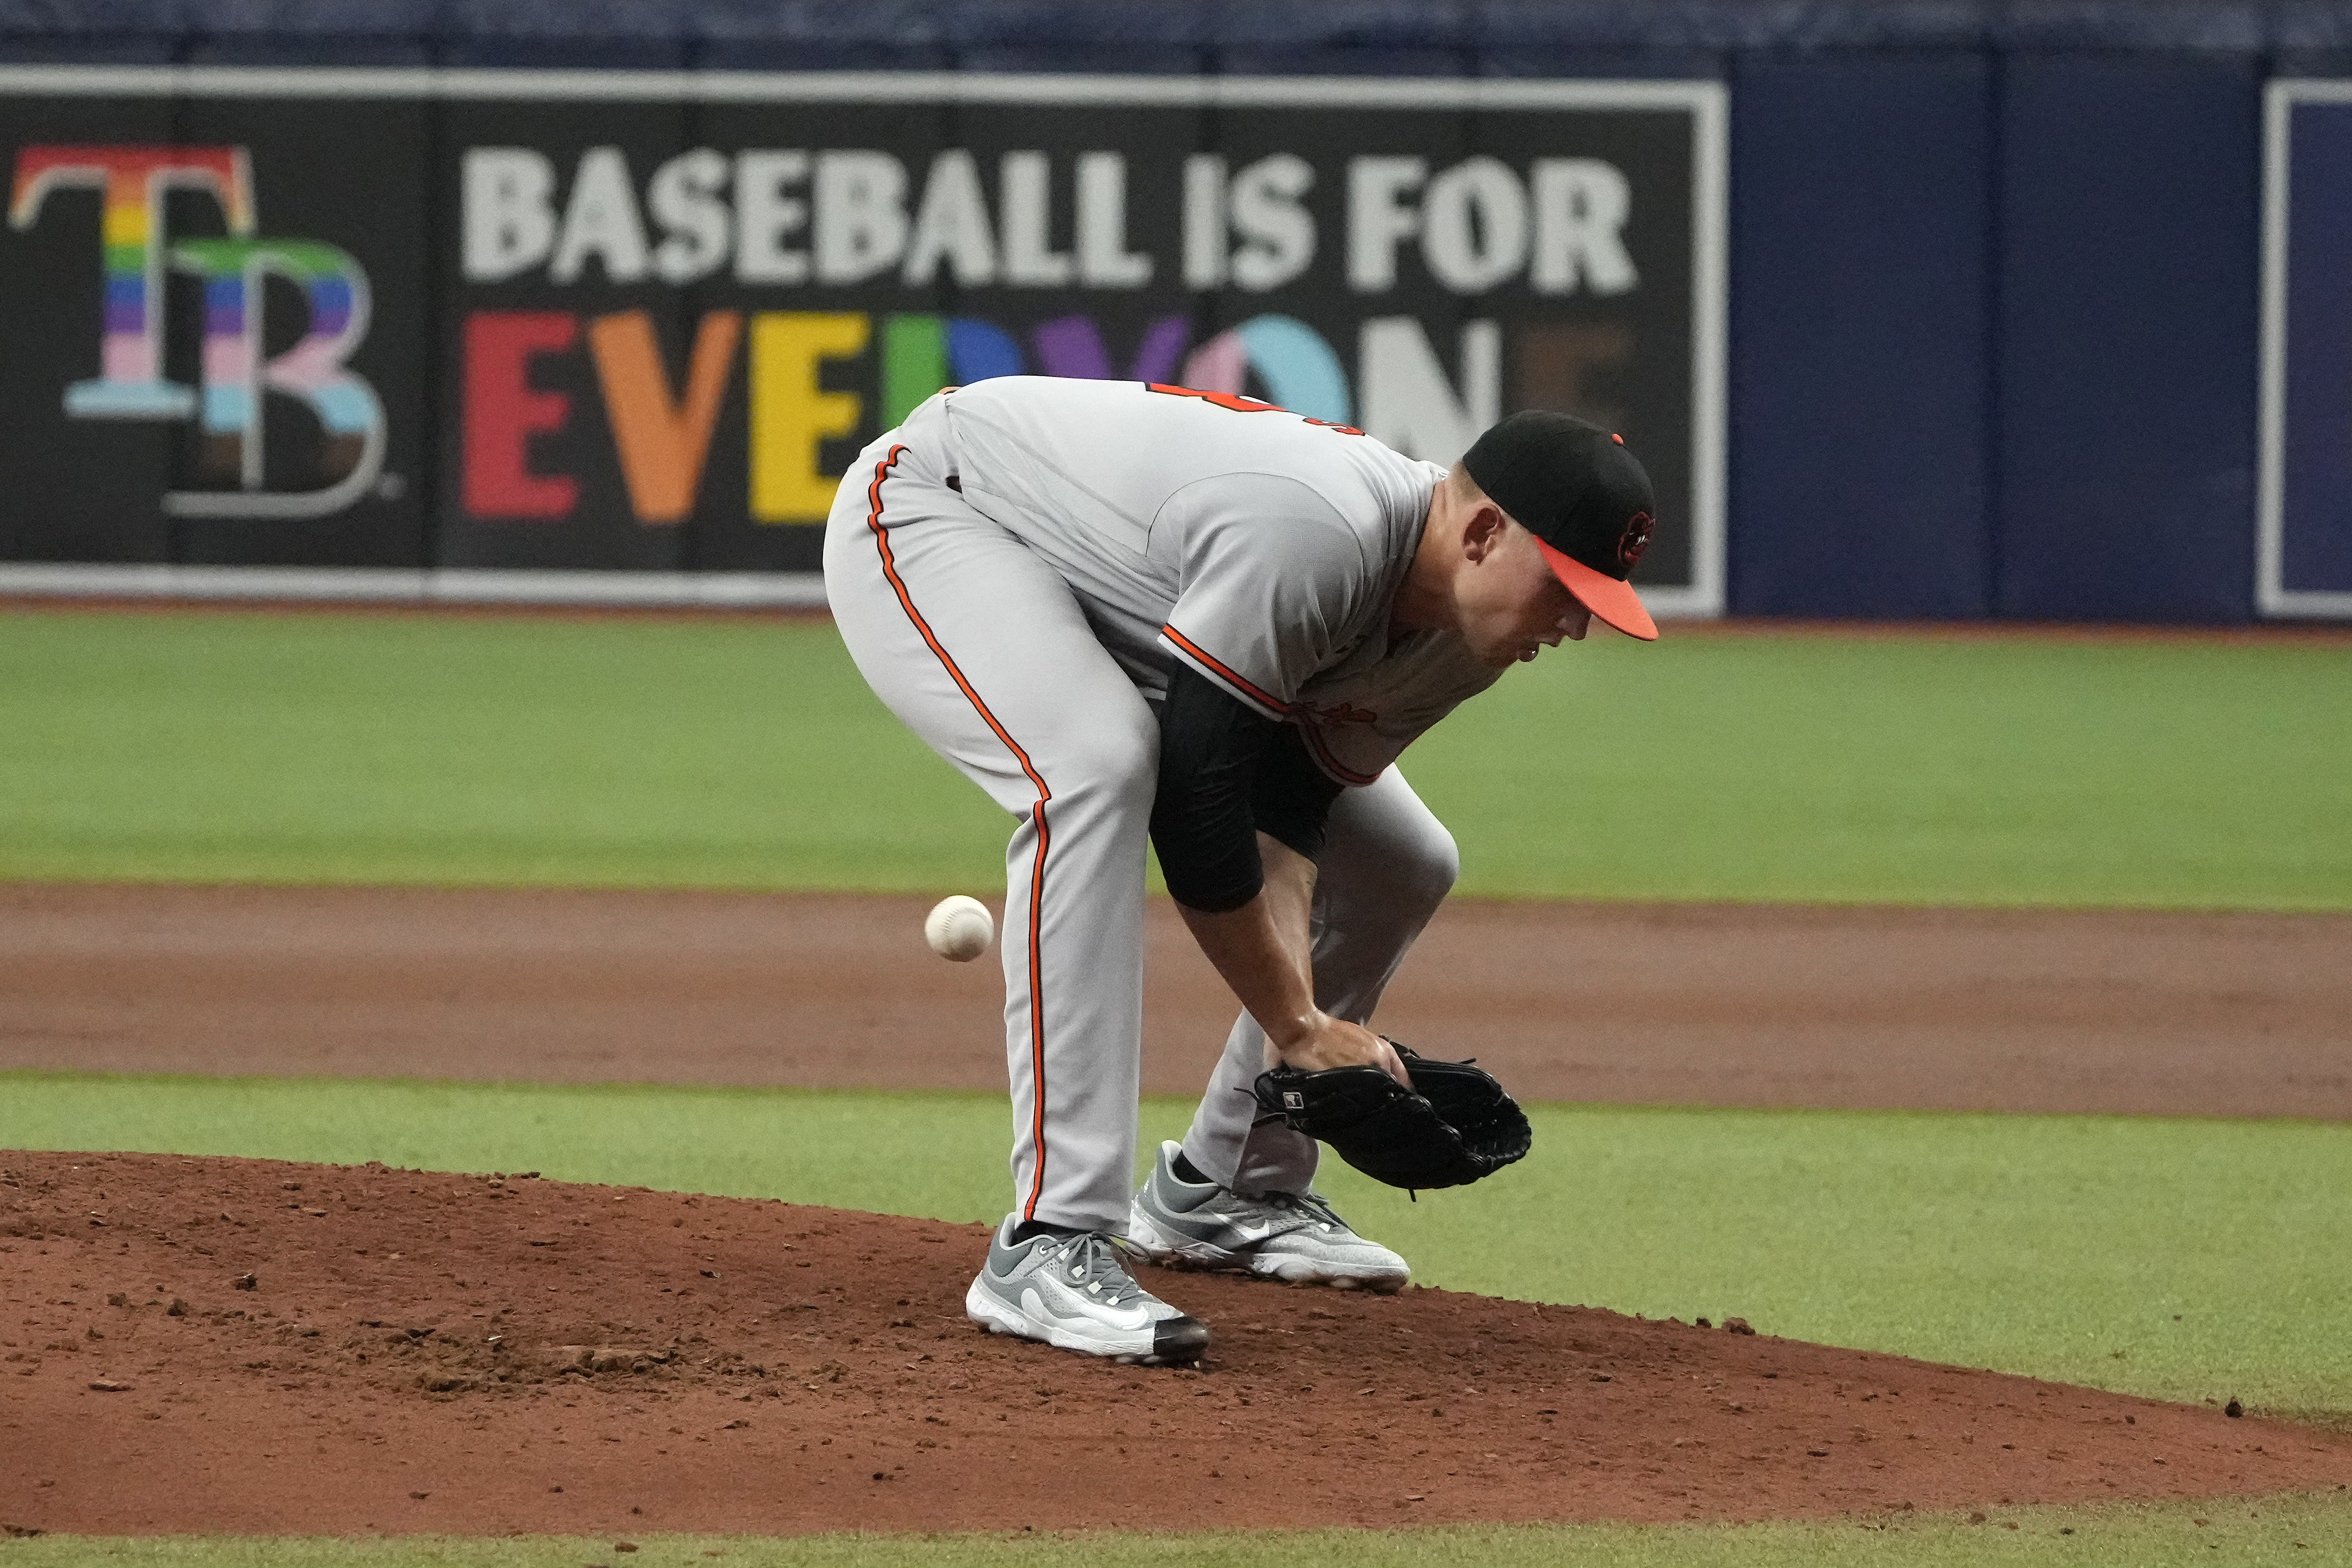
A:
(1121, 35)
(1346, 37)
(2085, 25)
(349, 49)
(300, 32)
(1861, 191)
(323, 18)
(1478, 33)
(78, 49)
(2126, 345)
(820, 34)
(628, 35)
(2315, 552)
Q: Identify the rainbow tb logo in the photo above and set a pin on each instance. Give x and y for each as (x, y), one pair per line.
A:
(130, 384)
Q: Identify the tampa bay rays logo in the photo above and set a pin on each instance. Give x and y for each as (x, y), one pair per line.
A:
(133, 253)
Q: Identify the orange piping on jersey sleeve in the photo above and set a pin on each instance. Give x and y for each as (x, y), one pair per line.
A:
(1233, 401)
(1275, 707)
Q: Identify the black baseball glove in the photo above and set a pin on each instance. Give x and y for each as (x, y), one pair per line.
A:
(1453, 1127)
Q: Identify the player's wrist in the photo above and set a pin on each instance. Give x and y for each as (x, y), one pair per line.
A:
(1293, 1031)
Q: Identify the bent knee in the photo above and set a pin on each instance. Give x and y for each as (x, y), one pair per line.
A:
(1115, 753)
(1427, 866)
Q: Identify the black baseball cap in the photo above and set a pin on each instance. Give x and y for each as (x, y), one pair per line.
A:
(1573, 485)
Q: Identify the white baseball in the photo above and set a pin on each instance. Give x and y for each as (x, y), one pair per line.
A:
(959, 928)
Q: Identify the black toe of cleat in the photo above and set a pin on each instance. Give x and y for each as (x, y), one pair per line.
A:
(1180, 1340)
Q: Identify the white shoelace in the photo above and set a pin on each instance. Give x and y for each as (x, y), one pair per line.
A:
(1312, 1204)
(1089, 1263)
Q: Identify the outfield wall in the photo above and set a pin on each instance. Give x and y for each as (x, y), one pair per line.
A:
(1994, 276)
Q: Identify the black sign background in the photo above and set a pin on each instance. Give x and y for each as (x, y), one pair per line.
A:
(378, 175)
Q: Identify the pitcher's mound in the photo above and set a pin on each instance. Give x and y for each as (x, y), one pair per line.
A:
(239, 1345)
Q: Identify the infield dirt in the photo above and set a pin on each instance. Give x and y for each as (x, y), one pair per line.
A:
(2059, 1010)
(433, 1352)
(228, 1346)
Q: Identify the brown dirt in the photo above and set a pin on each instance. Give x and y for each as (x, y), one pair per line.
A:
(2234, 1014)
(760, 1398)
(464, 1355)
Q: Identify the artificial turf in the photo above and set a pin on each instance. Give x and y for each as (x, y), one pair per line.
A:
(2289, 1532)
(2190, 1259)
(1915, 768)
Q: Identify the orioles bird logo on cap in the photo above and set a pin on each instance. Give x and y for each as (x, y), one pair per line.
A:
(1634, 540)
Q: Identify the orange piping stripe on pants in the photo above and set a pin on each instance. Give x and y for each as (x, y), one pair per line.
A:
(1044, 837)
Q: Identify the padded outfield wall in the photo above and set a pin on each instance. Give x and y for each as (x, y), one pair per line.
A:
(1990, 331)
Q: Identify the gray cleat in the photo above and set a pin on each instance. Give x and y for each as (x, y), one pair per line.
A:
(1295, 1237)
(1072, 1291)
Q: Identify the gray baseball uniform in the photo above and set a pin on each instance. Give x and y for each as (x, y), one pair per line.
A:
(1017, 571)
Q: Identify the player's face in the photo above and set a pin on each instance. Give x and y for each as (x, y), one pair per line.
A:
(1513, 606)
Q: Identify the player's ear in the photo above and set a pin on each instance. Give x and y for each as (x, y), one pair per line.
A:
(1483, 531)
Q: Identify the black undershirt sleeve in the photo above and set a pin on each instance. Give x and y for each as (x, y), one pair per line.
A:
(1293, 797)
(1225, 772)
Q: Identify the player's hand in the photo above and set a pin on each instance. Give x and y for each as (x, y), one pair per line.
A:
(1328, 1042)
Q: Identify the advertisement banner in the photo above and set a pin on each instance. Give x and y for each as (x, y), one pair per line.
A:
(638, 323)
(2305, 551)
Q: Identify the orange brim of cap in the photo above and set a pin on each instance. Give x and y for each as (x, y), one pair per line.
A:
(1608, 599)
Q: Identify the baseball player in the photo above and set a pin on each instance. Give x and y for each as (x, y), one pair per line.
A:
(1132, 611)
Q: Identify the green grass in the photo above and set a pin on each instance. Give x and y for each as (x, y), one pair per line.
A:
(237, 746)
(394, 749)
(2183, 1260)
(1909, 771)
(2296, 1531)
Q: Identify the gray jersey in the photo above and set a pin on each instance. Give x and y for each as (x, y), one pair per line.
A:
(1259, 548)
